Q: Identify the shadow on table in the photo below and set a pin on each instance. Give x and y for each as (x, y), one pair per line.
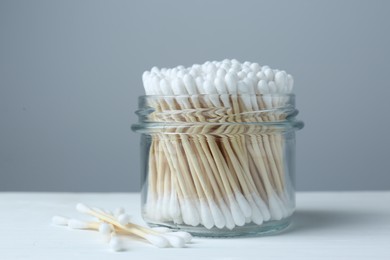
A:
(316, 220)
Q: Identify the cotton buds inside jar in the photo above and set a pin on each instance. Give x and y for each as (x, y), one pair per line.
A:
(217, 148)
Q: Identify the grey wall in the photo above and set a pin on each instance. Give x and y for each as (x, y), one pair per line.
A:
(70, 74)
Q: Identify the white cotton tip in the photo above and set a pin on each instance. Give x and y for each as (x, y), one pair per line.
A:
(237, 214)
(181, 73)
(241, 74)
(250, 83)
(158, 210)
(256, 217)
(219, 219)
(205, 214)
(194, 73)
(77, 224)
(248, 220)
(236, 67)
(199, 85)
(252, 76)
(231, 82)
(119, 211)
(281, 81)
(165, 206)
(229, 221)
(158, 241)
(272, 87)
(262, 206)
(155, 83)
(260, 75)
(155, 69)
(178, 87)
(290, 83)
(80, 207)
(269, 74)
(163, 71)
(185, 235)
(243, 89)
(226, 61)
(255, 67)
(244, 205)
(190, 213)
(221, 72)
(123, 219)
(220, 86)
(246, 70)
(180, 67)
(211, 69)
(190, 84)
(262, 87)
(274, 207)
(196, 67)
(165, 87)
(225, 66)
(115, 244)
(161, 229)
(60, 221)
(175, 241)
(246, 63)
(173, 73)
(174, 206)
(150, 205)
(211, 90)
(148, 87)
(145, 76)
(209, 87)
(105, 228)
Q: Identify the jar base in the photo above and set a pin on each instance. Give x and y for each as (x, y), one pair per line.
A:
(248, 230)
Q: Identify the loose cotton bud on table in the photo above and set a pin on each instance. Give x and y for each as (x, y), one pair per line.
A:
(113, 226)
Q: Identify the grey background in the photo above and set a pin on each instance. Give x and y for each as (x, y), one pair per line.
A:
(70, 74)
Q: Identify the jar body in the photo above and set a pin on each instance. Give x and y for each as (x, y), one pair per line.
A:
(219, 178)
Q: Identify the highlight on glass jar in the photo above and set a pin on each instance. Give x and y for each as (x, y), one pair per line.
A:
(218, 148)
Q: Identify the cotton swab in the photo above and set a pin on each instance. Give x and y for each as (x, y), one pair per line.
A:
(79, 224)
(109, 226)
(60, 221)
(115, 243)
(105, 228)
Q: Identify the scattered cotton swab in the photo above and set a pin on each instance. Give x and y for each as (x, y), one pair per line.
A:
(115, 243)
(60, 221)
(79, 224)
(111, 227)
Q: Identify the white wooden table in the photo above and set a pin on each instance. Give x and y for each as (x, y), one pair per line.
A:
(327, 225)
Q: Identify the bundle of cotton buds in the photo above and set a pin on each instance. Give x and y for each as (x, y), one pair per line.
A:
(110, 225)
(225, 77)
(218, 176)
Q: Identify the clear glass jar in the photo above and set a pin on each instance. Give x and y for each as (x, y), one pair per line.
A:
(218, 165)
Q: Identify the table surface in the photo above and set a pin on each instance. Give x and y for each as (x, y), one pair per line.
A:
(327, 225)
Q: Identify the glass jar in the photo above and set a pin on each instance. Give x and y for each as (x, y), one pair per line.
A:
(218, 165)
